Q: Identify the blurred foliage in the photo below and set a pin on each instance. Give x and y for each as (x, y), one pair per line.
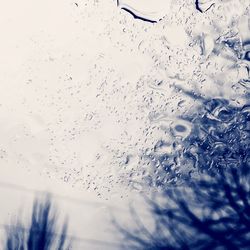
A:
(40, 235)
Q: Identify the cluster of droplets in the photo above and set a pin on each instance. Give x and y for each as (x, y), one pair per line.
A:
(218, 138)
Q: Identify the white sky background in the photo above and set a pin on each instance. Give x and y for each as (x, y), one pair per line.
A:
(80, 99)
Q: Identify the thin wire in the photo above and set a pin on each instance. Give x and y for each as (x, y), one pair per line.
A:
(63, 197)
(30, 190)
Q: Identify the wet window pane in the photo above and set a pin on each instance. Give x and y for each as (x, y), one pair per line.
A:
(105, 102)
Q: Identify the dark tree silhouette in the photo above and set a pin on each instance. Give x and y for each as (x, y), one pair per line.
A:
(40, 235)
(210, 210)
(210, 213)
